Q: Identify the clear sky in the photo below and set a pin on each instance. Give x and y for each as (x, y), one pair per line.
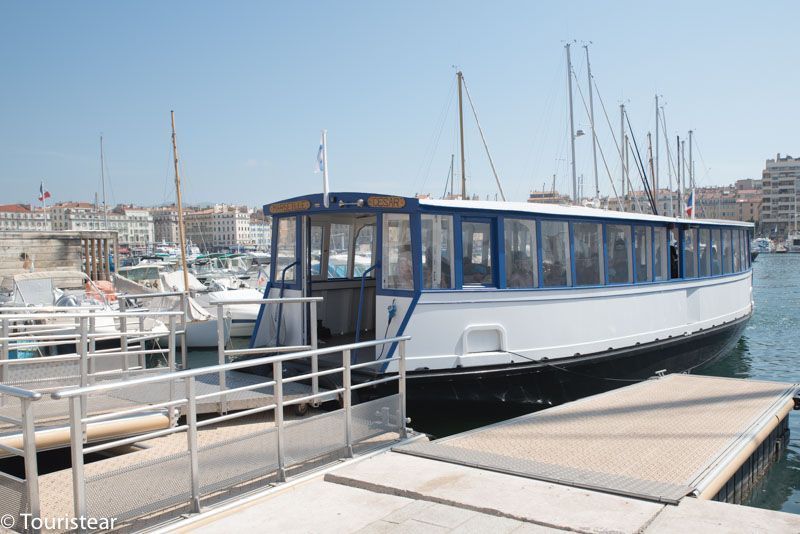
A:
(252, 85)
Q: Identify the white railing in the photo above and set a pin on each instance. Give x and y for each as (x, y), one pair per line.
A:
(78, 418)
(25, 423)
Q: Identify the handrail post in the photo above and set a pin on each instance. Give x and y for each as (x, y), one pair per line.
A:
(5, 331)
(348, 408)
(84, 368)
(277, 375)
(402, 388)
(31, 467)
(191, 436)
(314, 346)
(92, 345)
(173, 412)
(184, 311)
(223, 403)
(123, 328)
(76, 453)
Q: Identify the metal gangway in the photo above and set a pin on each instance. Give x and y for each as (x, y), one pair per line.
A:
(143, 442)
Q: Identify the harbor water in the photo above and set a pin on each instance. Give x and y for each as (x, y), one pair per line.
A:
(768, 350)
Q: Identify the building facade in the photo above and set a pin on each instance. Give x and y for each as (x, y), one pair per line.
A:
(133, 225)
(780, 195)
(165, 224)
(23, 218)
(220, 227)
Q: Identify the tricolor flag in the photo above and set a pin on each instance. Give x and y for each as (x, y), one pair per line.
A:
(690, 204)
(43, 194)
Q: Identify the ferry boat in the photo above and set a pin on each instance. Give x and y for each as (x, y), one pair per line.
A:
(507, 302)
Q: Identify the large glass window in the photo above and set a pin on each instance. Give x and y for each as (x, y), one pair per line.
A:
(556, 269)
(437, 251)
(364, 249)
(618, 244)
(745, 250)
(642, 242)
(588, 249)
(339, 250)
(661, 254)
(737, 252)
(727, 254)
(316, 250)
(476, 244)
(716, 251)
(704, 249)
(397, 268)
(520, 252)
(287, 253)
(674, 253)
(690, 253)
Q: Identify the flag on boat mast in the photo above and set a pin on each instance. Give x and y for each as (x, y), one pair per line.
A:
(690, 205)
(322, 166)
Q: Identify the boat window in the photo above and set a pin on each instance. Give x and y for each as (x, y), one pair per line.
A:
(437, 251)
(287, 229)
(618, 243)
(704, 246)
(316, 250)
(674, 254)
(689, 253)
(365, 243)
(737, 252)
(716, 251)
(642, 241)
(397, 267)
(555, 254)
(661, 256)
(339, 250)
(727, 256)
(476, 242)
(587, 239)
(520, 251)
(745, 252)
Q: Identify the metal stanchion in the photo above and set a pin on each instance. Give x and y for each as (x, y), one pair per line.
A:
(402, 388)
(29, 447)
(76, 452)
(191, 436)
(277, 375)
(348, 408)
(223, 403)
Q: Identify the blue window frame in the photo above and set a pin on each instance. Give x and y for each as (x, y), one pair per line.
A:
(478, 252)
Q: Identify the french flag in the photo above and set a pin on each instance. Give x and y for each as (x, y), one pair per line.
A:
(43, 194)
(690, 204)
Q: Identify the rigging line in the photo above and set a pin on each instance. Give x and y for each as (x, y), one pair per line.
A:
(643, 173)
(564, 369)
(697, 147)
(485, 146)
(435, 136)
(608, 171)
(630, 184)
(670, 162)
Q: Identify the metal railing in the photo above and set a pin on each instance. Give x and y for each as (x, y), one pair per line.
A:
(184, 308)
(28, 452)
(188, 400)
(223, 353)
(77, 331)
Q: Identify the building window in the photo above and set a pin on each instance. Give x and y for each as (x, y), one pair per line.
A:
(476, 243)
(556, 270)
(437, 251)
(520, 253)
(397, 267)
(618, 243)
(588, 245)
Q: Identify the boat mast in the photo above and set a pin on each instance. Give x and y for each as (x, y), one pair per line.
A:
(691, 174)
(655, 167)
(452, 171)
(103, 184)
(460, 76)
(591, 119)
(181, 229)
(669, 161)
(622, 150)
(571, 127)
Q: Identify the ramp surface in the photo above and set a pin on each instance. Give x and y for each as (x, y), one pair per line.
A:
(656, 440)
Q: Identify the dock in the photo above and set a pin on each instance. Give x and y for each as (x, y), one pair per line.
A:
(660, 456)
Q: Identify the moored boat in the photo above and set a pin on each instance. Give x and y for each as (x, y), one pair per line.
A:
(508, 302)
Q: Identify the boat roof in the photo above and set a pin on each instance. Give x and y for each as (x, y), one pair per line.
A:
(349, 201)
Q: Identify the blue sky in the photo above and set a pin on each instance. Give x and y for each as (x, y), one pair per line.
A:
(252, 84)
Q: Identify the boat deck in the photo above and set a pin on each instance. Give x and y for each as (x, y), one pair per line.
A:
(660, 440)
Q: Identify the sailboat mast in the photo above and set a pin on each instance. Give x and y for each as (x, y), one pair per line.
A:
(691, 173)
(622, 150)
(452, 173)
(571, 127)
(591, 118)
(181, 229)
(655, 173)
(103, 183)
(460, 76)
